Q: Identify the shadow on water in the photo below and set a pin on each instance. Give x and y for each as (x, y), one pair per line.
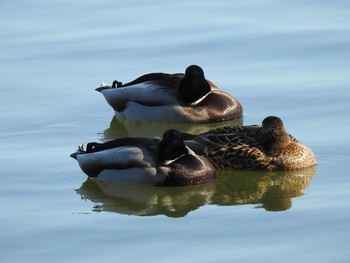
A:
(272, 191)
(129, 128)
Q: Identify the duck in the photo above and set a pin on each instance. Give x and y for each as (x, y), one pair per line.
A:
(145, 161)
(267, 147)
(179, 98)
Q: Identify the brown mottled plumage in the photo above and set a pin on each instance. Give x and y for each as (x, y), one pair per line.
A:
(266, 147)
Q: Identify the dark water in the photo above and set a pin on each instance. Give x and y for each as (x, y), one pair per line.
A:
(289, 59)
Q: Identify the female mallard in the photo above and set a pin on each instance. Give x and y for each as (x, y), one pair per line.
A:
(145, 161)
(266, 147)
(162, 97)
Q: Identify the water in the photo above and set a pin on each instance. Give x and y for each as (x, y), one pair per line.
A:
(289, 59)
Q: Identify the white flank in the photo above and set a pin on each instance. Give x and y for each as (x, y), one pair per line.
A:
(166, 113)
(129, 176)
(145, 93)
(115, 156)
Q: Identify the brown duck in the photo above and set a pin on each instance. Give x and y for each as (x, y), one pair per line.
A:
(257, 147)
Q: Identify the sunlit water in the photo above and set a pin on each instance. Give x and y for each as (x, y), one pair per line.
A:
(284, 58)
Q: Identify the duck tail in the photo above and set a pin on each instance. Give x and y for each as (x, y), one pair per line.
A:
(100, 89)
(79, 150)
(74, 155)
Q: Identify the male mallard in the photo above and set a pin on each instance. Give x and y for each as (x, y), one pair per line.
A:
(162, 97)
(145, 161)
(266, 147)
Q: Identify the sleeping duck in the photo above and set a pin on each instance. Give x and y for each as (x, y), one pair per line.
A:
(162, 97)
(266, 147)
(158, 162)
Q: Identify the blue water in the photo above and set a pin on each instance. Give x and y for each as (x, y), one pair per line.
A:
(284, 58)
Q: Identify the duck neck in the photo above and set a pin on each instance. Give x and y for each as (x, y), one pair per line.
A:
(193, 87)
(169, 151)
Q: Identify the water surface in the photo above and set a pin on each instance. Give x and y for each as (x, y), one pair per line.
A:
(289, 59)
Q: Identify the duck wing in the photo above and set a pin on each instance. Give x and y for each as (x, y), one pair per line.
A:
(152, 144)
(165, 77)
(118, 154)
(232, 147)
(238, 156)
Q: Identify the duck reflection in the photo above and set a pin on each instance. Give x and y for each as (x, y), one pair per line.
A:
(272, 191)
(144, 200)
(122, 127)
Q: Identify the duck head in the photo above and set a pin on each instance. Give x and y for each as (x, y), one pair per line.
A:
(171, 147)
(193, 86)
(273, 135)
(183, 167)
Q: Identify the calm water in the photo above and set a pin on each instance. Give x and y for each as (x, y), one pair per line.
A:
(284, 58)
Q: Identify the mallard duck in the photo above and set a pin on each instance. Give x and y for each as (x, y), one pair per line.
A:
(162, 97)
(266, 147)
(145, 161)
